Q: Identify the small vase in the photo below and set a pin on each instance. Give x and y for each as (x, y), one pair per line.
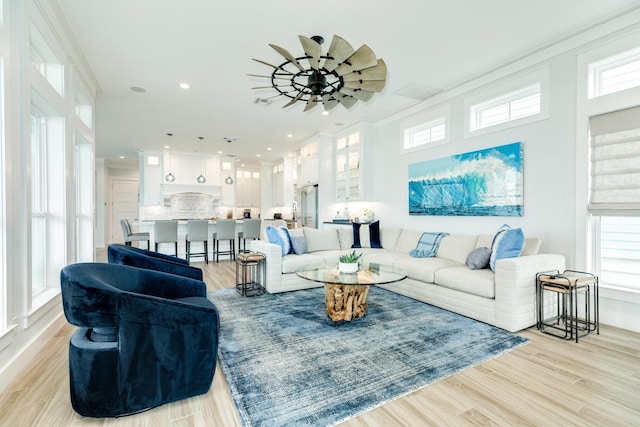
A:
(348, 267)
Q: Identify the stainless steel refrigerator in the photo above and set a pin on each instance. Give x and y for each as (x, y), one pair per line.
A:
(308, 197)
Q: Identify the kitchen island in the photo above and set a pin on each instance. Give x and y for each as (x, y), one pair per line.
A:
(146, 225)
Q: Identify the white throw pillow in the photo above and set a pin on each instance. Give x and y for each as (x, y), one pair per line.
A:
(321, 240)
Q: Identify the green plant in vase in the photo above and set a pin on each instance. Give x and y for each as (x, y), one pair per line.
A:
(349, 262)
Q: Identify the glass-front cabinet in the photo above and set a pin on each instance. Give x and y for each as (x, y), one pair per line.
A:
(348, 167)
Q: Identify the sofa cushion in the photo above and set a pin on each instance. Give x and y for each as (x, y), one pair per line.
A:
(389, 237)
(508, 243)
(456, 247)
(531, 246)
(321, 240)
(345, 237)
(292, 263)
(422, 269)
(407, 240)
(478, 258)
(475, 282)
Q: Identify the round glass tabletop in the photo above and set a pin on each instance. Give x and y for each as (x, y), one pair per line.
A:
(371, 275)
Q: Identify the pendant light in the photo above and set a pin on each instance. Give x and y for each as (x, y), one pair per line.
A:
(201, 179)
(228, 180)
(170, 177)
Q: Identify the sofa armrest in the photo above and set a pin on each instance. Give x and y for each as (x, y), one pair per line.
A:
(273, 261)
(515, 281)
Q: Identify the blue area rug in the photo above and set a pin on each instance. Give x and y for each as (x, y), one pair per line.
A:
(287, 364)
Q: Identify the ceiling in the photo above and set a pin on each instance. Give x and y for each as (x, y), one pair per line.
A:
(429, 45)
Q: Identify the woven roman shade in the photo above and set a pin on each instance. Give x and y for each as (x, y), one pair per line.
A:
(615, 163)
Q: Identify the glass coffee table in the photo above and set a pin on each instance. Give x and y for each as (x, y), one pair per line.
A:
(346, 293)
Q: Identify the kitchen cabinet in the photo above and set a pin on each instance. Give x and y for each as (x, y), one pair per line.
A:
(309, 165)
(348, 167)
(187, 167)
(248, 188)
(277, 195)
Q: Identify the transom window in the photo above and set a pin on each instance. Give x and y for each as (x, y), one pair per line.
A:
(512, 106)
(426, 133)
(615, 73)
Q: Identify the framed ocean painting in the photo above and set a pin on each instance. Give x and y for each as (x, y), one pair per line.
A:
(479, 183)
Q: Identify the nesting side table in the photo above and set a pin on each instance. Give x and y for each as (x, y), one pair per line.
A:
(251, 275)
(570, 321)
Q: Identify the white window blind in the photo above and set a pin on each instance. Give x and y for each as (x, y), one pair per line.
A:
(512, 106)
(615, 74)
(425, 133)
(615, 163)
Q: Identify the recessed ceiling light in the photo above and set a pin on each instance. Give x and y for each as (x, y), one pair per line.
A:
(137, 89)
(289, 135)
(167, 147)
(325, 113)
(268, 148)
(121, 157)
(184, 85)
(219, 152)
(258, 155)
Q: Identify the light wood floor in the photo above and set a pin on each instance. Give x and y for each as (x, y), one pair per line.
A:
(549, 382)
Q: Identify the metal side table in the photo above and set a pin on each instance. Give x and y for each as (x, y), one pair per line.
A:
(251, 274)
(570, 321)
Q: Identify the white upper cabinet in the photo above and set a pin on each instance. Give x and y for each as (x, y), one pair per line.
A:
(186, 168)
(348, 166)
(309, 165)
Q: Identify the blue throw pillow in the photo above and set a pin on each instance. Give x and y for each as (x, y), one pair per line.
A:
(507, 243)
(478, 258)
(279, 236)
(299, 244)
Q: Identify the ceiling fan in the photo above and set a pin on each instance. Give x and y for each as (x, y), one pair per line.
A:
(341, 76)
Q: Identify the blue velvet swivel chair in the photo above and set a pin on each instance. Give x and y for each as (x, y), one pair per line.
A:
(136, 257)
(145, 338)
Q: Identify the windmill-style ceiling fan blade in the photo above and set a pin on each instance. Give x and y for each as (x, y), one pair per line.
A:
(360, 95)
(293, 101)
(370, 85)
(271, 65)
(269, 87)
(329, 102)
(339, 50)
(284, 52)
(311, 48)
(346, 100)
(311, 103)
(377, 72)
(362, 58)
(268, 77)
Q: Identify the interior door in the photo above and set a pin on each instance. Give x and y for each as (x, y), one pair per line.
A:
(124, 205)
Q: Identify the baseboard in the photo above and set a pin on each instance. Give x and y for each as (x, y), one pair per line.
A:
(22, 358)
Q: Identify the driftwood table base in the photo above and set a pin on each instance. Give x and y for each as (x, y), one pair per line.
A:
(345, 302)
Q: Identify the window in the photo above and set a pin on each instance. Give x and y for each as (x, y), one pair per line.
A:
(620, 252)
(614, 74)
(426, 133)
(615, 195)
(38, 203)
(509, 107)
(45, 61)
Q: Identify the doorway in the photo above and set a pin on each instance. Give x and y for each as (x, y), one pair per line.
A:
(124, 205)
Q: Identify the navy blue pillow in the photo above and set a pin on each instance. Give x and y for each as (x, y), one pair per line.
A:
(356, 235)
(374, 235)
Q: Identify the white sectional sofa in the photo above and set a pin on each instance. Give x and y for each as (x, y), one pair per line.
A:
(505, 299)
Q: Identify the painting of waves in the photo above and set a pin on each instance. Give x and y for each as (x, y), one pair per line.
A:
(479, 183)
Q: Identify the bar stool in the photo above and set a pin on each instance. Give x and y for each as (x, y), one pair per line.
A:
(166, 232)
(251, 276)
(225, 230)
(251, 231)
(130, 236)
(197, 231)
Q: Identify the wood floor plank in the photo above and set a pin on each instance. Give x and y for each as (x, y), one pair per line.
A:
(547, 382)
